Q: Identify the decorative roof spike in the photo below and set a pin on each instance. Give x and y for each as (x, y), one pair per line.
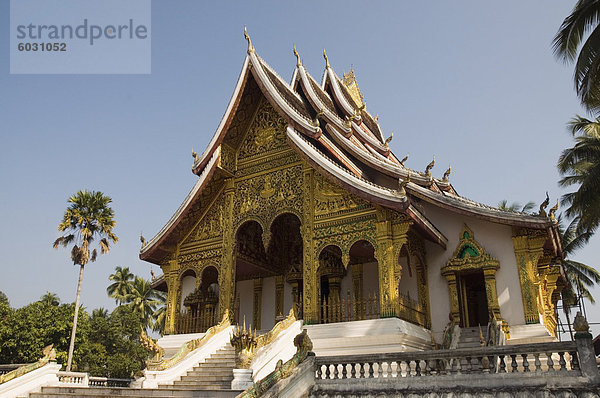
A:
(194, 155)
(543, 206)
(389, 139)
(326, 59)
(247, 37)
(376, 118)
(429, 167)
(447, 174)
(403, 183)
(553, 210)
(404, 160)
(298, 62)
(142, 239)
(319, 115)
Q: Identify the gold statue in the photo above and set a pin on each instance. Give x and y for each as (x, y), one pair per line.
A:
(250, 46)
(429, 167)
(404, 160)
(543, 206)
(447, 174)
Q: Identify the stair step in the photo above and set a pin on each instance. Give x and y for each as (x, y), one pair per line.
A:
(201, 378)
(59, 392)
(216, 372)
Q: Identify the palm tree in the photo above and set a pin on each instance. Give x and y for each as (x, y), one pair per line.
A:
(580, 165)
(50, 299)
(160, 314)
(578, 274)
(87, 218)
(143, 300)
(100, 313)
(569, 46)
(515, 206)
(122, 284)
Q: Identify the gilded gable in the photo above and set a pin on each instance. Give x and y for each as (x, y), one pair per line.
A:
(265, 134)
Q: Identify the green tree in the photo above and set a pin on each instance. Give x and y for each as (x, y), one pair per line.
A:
(515, 206)
(121, 286)
(3, 298)
(578, 41)
(88, 217)
(143, 300)
(580, 166)
(160, 313)
(50, 299)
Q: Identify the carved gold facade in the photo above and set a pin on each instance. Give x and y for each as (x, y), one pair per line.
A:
(264, 179)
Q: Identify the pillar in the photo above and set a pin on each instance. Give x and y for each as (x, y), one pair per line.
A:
(309, 263)
(386, 264)
(257, 304)
(227, 274)
(528, 250)
(170, 272)
(489, 276)
(279, 310)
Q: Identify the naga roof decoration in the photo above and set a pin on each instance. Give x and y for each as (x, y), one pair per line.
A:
(329, 126)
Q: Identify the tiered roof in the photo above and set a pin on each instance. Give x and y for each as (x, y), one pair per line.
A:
(330, 127)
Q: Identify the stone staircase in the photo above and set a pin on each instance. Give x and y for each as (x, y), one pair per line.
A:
(211, 378)
(470, 338)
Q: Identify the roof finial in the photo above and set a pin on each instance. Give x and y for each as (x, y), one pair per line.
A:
(326, 59)
(429, 167)
(404, 160)
(389, 139)
(194, 155)
(543, 206)
(553, 210)
(250, 46)
(298, 62)
(403, 183)
(447, 174)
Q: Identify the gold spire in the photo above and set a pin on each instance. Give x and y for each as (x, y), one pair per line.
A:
(250, 46)
(298, 62)
(326, 59)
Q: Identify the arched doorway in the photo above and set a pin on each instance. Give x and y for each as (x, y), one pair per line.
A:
(330, 273)
(364, 300)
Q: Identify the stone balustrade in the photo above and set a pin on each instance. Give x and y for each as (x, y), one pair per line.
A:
(75, 379)
(561, 358)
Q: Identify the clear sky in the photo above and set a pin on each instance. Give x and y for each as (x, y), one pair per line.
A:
(471, 82)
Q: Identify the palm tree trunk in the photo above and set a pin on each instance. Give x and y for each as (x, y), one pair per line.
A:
(77, 298)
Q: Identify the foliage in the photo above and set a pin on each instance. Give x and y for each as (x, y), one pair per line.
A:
(143, 300)
(580, 166)
(515, 206)
(122, 284)
(569, 46)
(3, 298)
(50, 299)
(578, 274)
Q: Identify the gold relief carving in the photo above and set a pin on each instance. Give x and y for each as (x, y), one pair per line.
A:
(266, 132)
(227, 271)
(331, 199)
(345, 235)
(310, 299)
(277, 160)
(256, 308)
(228, 159)
(528, 251)
(172, 282)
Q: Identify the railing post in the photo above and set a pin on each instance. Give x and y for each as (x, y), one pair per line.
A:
(585, 349)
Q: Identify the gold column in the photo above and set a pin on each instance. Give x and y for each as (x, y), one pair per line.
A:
(386, 264)
(257, 306)
(453, 291)
(279, 297)
(170, 272)
(227, 272)
(528, 251)
(489, 275)
(309, 263)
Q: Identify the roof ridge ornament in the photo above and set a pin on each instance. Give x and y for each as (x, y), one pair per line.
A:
(403, 183)
(447, 174)
(389, 139)
(429, 167)
(326, 59)
(404, 160)
(553, 210)
(543, 206)
(247, 37)
(298, 62)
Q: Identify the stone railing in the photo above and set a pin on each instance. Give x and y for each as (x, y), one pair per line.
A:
(108, 382)
(75, 379)
(550, 358)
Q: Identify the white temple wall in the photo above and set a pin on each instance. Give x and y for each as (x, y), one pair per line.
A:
(188, 285)
(245, 290)
(496, 239)
(267, 314)
(408, 279)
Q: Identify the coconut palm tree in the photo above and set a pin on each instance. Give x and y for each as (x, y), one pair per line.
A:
(580, 166)
(50, 299)
(160, 314)
(142, 300)
(122, 284)
(515, 206)
(578, 41)
(87, 218)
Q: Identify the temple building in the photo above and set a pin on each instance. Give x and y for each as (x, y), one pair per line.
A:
(299, 201)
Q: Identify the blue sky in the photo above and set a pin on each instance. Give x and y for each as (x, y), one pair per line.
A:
(470, 82)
